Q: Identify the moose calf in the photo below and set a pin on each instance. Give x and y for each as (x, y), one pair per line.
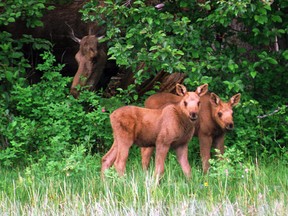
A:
(215, 118)
(173, 126)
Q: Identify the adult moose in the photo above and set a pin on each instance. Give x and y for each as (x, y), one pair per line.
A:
(173, 126)
(215, 118)
(91, 59)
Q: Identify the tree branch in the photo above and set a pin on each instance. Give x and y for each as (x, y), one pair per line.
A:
(270, 114)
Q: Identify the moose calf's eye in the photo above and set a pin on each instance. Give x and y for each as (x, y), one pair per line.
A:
(198, 103)
(185, 103)
(220, 114)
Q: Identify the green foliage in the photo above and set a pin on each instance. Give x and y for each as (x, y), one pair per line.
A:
(205, 47)
(13, 71)
(228, 165)
(14, 64)
(149, 37)
(228, 44)
(46, 126)
(30, 11)
(235, 46)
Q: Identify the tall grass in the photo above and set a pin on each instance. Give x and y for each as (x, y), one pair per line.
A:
(261, 190)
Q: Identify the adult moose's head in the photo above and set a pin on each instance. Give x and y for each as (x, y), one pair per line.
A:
(91, 59)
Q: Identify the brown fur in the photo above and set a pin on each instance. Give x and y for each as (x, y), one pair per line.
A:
(91, 61)
(172, 126)
(215, 118)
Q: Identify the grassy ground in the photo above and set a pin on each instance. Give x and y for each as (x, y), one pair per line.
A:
(258, 190)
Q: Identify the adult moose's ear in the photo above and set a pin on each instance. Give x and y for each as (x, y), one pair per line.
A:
(181, 89)
(235, 99)
(214, 99)
(202, 90)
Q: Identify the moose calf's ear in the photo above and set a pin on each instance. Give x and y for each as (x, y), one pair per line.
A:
(214, 99)
(181, 89)
(202, 90)
(235, 99)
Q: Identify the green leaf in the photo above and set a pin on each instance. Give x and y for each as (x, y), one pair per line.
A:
(40, 5)
(262, 10)
(272, 61)
(18, 14)
(154, 48)
(276, 18)
(38, 23)
(285, 54)
(232, 66)
(267, 7)
(9, 76)
(16, 54)
(195, 54)
(129, 46)
(150, 21)
(261, 19)
(11, 19)
(256, 31)
(179, 52)
(144, 31)
(253, 74)
(129, 34)
(207, 7)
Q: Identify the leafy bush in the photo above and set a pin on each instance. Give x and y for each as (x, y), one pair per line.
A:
(197, 39)
(30, 11)
(14, 65)
(46, 125)
(234, 46)
(229, 165)
(42, 125)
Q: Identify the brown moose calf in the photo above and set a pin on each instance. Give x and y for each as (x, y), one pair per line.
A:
(215, 118)
(173, 126)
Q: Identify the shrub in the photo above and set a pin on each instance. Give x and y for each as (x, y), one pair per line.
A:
(46, 125)
(234, 46)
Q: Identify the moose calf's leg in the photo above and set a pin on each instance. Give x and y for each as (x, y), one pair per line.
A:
(205, 148)
(146, 154)
(219, 144)
(122, 155)
(109, 158)
(182, 157)
(161, 153)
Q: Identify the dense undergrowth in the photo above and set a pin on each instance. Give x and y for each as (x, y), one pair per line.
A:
(51, 144)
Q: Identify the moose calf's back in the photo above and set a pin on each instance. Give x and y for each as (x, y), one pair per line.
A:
(160, 100)
(134, 123)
